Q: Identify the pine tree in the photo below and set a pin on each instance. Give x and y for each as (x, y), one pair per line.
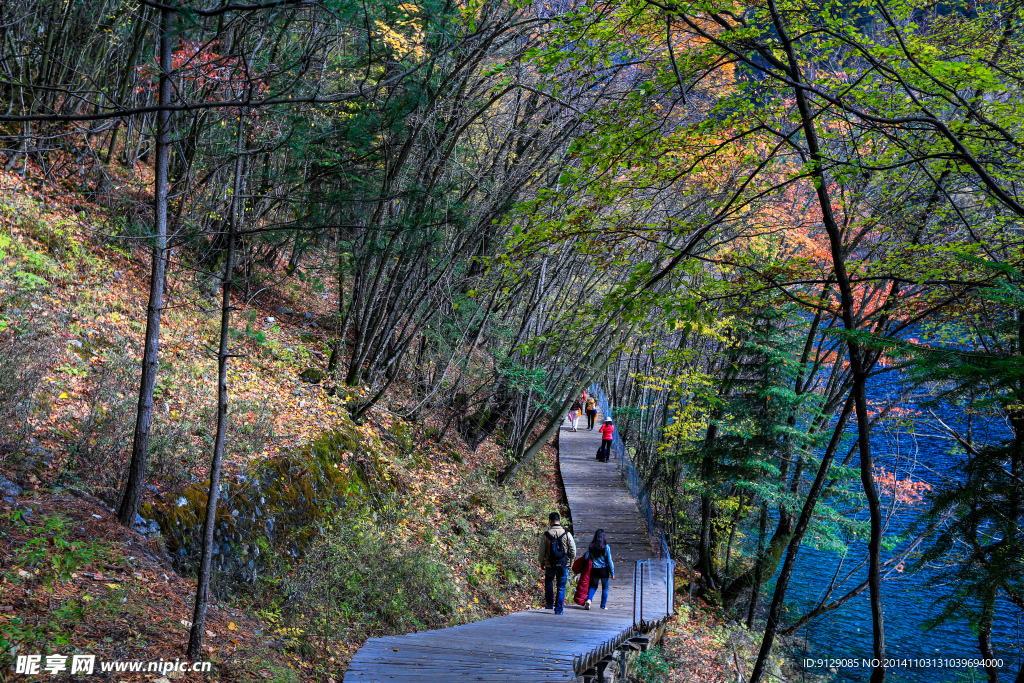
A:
(983, 375)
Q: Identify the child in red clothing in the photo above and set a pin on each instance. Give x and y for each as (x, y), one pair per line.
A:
(607, 430)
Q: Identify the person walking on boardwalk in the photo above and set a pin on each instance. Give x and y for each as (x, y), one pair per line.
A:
(607, 431)
(574, 413)
(557, 551)
(602, 568)
(591, 406)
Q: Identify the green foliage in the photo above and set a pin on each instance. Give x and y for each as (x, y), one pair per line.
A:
(649, 667)
(49, 555)
(371, 575)
(51, 634)
(40, 249)
(507, 545)
(980, 372)
(756, 414)
(50, 551)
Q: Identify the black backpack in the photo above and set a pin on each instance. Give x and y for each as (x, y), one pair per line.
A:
(558, 550)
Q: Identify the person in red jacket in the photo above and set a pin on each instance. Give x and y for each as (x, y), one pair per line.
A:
(607, 431)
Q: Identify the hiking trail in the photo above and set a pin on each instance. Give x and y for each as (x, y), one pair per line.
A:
(537, 645)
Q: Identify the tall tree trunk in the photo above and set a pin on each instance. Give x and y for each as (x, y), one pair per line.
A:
(755, 590)
(150, 357)
(988, 609)
(706, 559)
(775, 610)
(855, 353)
(195, 640)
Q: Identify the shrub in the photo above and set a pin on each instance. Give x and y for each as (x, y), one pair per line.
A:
(43, 554)
(178, 447)
(649, 667)
(101, 444)
(373, 579)
(24, 361)
(275, 509)
(52, 551)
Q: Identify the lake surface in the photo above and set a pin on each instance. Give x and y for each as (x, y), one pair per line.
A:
(910, 598)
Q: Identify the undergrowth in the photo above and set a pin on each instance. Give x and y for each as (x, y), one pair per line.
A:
(371, 579)
(48, 556)
(649, 667)
(329, 531)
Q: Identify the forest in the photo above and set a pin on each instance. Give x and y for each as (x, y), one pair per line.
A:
(295, 296)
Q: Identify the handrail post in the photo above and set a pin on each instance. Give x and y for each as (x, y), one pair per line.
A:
(636, 565)
(642, 591)
(668, 593)
(673, 586)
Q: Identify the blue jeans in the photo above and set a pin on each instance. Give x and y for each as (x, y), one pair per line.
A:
(604, 590)
(550, 576)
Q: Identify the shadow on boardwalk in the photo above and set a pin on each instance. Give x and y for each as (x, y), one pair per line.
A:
(537, 645)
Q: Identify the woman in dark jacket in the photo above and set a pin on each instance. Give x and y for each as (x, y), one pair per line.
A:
(600, 553)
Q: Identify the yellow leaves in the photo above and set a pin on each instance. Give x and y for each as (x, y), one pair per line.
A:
(231, 626)
(405, 46)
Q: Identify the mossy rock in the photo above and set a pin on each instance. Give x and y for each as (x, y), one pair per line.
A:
(276, 507)
(312, 376)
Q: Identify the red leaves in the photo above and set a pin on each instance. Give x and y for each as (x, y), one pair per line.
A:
(195, 63)
(905, 491)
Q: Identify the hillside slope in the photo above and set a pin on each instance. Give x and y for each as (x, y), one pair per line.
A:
(306, 490)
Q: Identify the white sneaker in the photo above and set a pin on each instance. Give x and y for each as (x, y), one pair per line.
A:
(586, 605)
(604, 608)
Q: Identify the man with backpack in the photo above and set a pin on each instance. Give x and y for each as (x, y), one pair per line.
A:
(557, 551)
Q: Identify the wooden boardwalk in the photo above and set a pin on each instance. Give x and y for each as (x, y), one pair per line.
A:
(538, 645)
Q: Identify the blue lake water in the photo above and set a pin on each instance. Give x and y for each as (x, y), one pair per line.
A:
(909, 598)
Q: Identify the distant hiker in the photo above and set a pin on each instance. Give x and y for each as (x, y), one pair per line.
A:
(557, 551)
(591, 406)
(601, 568)
(583, 397)
(607, 431)
(574, 413)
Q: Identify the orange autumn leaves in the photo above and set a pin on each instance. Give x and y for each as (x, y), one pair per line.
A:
(901, 491)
